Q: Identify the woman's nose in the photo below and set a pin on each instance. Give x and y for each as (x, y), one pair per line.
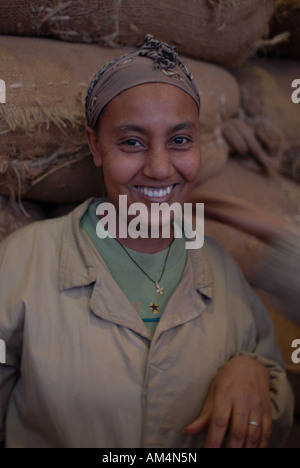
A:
(159, 164)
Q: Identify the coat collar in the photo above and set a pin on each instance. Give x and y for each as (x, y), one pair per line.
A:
(77, 262)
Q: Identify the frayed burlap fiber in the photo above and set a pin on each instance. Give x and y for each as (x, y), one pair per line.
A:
(269, 110)
(286, 19)
(69, 20)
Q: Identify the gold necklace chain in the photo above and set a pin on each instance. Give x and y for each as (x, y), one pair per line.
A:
(159, 289)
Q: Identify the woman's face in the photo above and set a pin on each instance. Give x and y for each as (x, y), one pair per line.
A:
(148, 145)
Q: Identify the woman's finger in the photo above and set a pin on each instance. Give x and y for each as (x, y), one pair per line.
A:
(219, 424)
(267, 426)
(254, 431)
(238, 429)
(201, 423)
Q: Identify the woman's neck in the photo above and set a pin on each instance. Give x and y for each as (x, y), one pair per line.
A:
(146, 245)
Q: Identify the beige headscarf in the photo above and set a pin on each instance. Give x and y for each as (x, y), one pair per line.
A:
(154, 62)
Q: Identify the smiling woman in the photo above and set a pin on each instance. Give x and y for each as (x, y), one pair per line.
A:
(122, 342)
(148, 156)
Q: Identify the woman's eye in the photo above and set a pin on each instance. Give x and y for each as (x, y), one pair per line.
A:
(131, 142)
(180, 140)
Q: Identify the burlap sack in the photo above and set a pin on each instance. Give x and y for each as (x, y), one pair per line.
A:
(75, 20)
(266, 100)
(286, 18)
(13, 216)
(222, 31)
(43, 151)
(42, 122)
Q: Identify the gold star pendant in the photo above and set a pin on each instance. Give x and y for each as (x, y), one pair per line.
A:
(154, 308)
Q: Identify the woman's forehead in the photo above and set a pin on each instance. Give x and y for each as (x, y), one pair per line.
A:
(153, 101)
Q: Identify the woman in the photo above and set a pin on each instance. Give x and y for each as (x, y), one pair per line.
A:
(124, 341)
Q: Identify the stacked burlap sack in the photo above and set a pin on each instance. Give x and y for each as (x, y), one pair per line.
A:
(222, 31)
(266, 100)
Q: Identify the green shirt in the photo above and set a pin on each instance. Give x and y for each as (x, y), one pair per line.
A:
(139, 289)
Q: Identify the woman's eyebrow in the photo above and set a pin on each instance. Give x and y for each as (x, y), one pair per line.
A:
(130, 128)
(187, 125)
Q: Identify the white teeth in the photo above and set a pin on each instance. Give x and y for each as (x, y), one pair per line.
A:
(155, 193)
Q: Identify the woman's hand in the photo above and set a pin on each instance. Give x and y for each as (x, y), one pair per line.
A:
(239, 394)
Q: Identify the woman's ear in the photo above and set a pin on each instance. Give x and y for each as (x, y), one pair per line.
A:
(93, 145)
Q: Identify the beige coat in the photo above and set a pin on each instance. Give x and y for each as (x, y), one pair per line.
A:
(81, 369)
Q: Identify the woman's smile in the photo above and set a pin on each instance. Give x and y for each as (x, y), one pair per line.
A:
(156, 194)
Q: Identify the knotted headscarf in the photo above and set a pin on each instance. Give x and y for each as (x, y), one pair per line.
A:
(154, 62)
